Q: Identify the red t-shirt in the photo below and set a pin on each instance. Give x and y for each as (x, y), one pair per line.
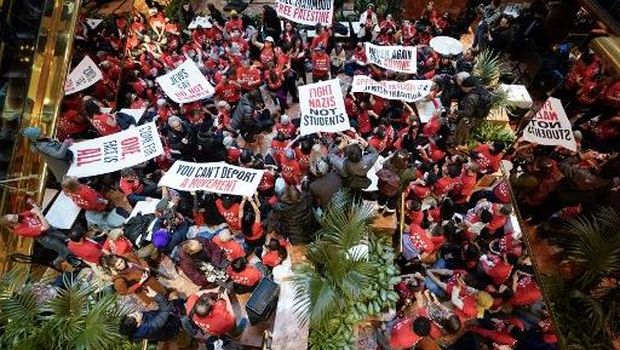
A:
(100, 122)
(87, 198)
(130, 187)
(485, 159)
(257, 232)
(320, 64)
(218, 322)
(228, 91)
(402, 335)
(272, 259)
(291, 171)
(363, 122)
(288, 129)
(232, 248)
(443, 186)
(119, 247)
(231, 215)
(29, 225)
(87, 250)
(250, 276)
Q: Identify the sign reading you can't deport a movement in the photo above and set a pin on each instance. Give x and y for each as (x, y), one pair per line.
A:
(212, 177)
(322, 108)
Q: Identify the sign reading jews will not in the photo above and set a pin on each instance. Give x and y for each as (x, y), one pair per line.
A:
(409, 91)
(551, 127)
(83, 76)
(322, 108)
(212, 177)
(308, 12)
(397, 58)
(117, 151)
(186, 83)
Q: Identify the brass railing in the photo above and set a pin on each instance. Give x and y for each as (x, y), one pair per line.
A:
(41, 105)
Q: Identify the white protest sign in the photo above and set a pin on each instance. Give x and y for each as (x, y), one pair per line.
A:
(551, 127)
(397, 58)
(308, 12)
(212, 177)
(186, 83)
(117, 151)
(426, 110)
(84, 75)
(93, 22)
(203, 22)
(409, 91)
(63, 212)
(322, 109)
(149, 206)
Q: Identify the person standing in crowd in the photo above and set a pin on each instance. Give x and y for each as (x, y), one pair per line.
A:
(57, 155)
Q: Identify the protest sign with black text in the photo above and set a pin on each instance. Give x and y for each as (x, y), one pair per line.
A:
(322, 108)
(409, 91)
(308, 12)
(551, 127)
(186, 83)
(397, 58)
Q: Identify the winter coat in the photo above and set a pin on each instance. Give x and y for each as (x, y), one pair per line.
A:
(192, 269)
(295, 220)
(158, 325)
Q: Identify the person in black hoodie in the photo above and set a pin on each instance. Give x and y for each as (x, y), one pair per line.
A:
(157, 325)
(210, 146)
(181, 138)
(271, 23)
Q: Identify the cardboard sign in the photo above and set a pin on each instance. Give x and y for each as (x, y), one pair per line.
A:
(203, 22)
(63, 212)
(322, 108)
(426, 110)
(83, 76)
(397, 58)
(212, 177)
(186, 83)
(307, 12)
(115, 152)
(551, 127)
(409, 91)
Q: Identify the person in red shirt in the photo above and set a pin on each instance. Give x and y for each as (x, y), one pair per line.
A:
(274, 254)
(84, 248)
(245, 276)
(321, 38)
(286, 127)
(275, 84)
(33, 224)
(234, 22)
(232, 249)
(248, 76)
(252, 227)
(407, 332)
(83, 196)
(320, 64)
(104, 123)
(213, 314)
(488, 157)
(116, 243)
(134, 189)
(70, 123)
(228, 90)
(229, 209)
(291, 169)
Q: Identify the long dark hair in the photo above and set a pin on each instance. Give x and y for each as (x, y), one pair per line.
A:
(91, 108)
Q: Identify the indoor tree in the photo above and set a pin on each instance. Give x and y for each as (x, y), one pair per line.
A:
(74, 316)
(348, 275)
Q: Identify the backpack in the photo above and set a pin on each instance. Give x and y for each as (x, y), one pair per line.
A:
(137, 227)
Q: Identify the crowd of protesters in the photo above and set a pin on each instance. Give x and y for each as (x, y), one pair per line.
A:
(467, 281)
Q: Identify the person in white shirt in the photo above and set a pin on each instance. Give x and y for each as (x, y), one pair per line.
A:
(369, 17)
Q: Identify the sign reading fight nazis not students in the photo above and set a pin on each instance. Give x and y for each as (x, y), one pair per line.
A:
(117, 151)
(186, 83)
(551, 127)
(409, 91)
(397, 58)
(322, 108)
(212, 177)
(308, 12)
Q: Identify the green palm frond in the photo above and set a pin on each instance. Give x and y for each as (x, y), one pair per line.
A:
(488, 68)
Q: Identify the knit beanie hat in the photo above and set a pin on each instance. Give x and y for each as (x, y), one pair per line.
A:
(32, 133)
(161, 238)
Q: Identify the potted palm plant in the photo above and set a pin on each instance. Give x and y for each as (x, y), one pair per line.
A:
(348, 275)
(36, 316)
